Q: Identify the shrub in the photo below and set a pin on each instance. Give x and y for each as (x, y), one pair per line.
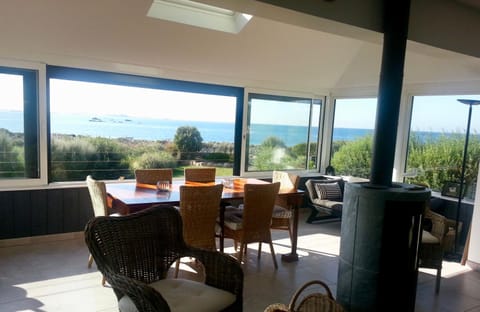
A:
(153, 160)
(440, 159)
(354, 157)
(188, 139)
(216, 157)
(273, 154)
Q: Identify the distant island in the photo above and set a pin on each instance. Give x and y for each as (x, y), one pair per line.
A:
(96, 119)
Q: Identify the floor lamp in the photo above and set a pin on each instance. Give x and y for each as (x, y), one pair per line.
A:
(470, 103)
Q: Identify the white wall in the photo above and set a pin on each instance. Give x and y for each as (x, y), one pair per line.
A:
(474, 246)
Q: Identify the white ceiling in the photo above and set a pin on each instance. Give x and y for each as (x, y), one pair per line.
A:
(118, 36)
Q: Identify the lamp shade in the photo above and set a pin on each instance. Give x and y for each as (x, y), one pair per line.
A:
(469, 102)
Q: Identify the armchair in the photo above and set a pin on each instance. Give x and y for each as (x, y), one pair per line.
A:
(433, 243)
(324, 198)
(136, 252)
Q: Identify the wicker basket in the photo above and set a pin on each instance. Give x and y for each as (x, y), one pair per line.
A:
(313, 302)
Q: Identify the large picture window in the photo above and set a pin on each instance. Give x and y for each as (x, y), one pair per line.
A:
(282, 133)
(352, 136)
(437, 141)
(19, 126)
(109, 125)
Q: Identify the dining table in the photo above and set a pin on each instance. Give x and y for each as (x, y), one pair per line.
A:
(138, 196)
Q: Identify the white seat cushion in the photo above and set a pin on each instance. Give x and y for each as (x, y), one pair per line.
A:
(428, 238)
(281, 212)
(185, 296)
(233, 219)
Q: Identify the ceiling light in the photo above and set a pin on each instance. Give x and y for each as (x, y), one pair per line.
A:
(199, 14)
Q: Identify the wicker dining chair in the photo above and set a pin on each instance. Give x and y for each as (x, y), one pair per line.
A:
(199, 208)
(103, 205)
(200, 174)
(433, 244)
(252, 223)
(152, 176)
(136, 252)
(319, 301)
(282, 211)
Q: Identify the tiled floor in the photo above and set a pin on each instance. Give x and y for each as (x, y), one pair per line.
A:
(53, 276)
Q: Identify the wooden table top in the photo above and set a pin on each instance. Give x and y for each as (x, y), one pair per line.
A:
(132, 193)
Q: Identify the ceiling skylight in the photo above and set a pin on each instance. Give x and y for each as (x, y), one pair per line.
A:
(199, 14)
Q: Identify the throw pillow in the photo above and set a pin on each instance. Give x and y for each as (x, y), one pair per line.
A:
(329, 191)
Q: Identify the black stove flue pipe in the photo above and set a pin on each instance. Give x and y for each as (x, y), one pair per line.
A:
(395, 28)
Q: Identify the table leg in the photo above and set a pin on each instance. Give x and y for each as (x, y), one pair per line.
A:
(222, 225)
(293, 256)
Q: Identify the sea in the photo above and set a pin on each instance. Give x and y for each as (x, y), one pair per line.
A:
(118, 126)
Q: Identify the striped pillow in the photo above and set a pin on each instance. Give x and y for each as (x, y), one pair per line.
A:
(329, 191)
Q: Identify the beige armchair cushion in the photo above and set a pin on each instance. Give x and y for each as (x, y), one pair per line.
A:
(185, 296)
(428, 238)
(234, 217)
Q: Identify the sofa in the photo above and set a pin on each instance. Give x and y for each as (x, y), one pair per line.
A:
(324, 197)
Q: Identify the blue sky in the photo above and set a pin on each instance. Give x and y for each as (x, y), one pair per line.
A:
(444, 114)
(430, 113)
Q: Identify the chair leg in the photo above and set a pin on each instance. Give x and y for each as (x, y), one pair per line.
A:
(437, 281)
(177, 267)
(273, 255)
(90, 261)
(89, 265)
(240, 254)
(259, 249)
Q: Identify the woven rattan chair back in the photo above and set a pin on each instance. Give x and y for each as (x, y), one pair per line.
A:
(138, 249)
(199, 208)
(156, 236)
(259, 200)
(100, 204)
(281, 219)
(314, 302)
(152, 176)
(201, 174)
(98, 196)
(288, 181)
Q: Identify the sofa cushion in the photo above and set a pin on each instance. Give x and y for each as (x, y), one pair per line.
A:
(185, 295)
(328, 191)
(310, 186)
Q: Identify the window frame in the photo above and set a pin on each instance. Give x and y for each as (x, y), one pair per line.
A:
(36, 91)
(405, 135)
(273, 94)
